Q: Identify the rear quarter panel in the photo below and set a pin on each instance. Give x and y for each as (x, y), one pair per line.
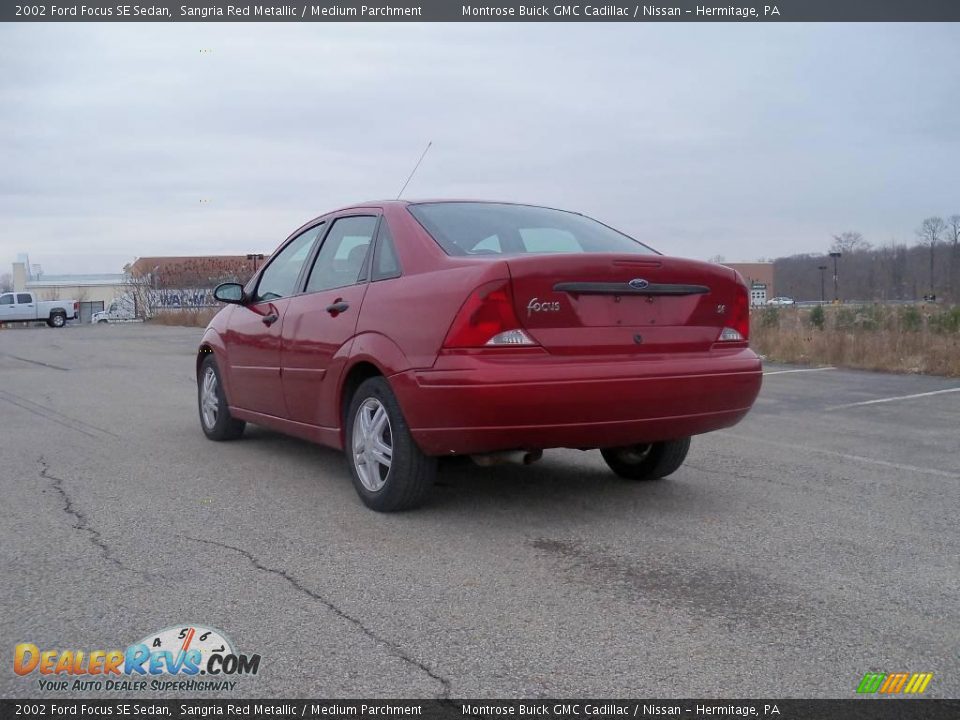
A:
(411, 314)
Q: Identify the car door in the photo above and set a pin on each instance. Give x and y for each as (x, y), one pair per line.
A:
(26, 308)
(252, 338)
(320, 322)
(8, 307)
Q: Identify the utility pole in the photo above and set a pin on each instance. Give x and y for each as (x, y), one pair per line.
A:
(836, 277)
(822, 268)
(255, 257)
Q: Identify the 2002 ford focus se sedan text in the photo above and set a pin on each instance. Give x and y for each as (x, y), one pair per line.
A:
(403, 332)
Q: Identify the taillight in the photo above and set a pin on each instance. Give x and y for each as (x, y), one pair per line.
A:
(487, 319)
(737, 325)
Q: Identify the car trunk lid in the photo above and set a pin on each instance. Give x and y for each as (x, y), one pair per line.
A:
(610, 303)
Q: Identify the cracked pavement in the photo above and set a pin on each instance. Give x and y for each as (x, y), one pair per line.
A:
(790, 555)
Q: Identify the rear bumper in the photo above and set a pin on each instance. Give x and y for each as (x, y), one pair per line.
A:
(483, 403)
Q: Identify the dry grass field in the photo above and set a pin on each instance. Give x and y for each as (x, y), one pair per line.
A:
(922, 339)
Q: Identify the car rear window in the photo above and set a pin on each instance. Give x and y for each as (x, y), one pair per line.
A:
(470, 228)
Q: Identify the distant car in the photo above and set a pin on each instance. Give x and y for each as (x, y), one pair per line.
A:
(780, 301)
(403, 332)
(24, 307)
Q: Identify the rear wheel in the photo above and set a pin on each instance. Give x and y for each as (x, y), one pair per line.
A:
(215, 418)
(389, 471)
(57, 320)
(648, 461)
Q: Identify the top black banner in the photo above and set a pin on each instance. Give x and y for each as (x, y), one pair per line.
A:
(486, 11)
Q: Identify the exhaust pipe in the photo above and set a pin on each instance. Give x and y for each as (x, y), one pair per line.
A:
(516, 457)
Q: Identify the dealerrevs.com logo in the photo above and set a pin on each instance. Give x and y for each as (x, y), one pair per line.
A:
(186, 657)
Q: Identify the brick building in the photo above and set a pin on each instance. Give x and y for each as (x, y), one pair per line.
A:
(759, 278)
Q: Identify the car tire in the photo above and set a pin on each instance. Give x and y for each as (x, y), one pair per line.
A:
(215, 418)
(102, 322)
(57, 320)
(389, 470)
(648, 461)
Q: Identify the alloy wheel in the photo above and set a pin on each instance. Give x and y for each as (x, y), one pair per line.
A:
(209, 400)
(372, 444)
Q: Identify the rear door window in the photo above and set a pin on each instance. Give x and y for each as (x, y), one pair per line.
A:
(342, 259)
(386, 264)
(24, 298)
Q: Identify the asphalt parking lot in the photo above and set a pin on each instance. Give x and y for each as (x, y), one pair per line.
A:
(814, 542)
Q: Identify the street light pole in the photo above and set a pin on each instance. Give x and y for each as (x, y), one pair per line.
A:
(821, 268)
(836, 279)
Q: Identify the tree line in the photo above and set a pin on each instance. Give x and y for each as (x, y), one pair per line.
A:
(893, 271)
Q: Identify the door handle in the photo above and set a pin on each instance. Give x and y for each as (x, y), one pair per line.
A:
(270, 319)
(338, 307)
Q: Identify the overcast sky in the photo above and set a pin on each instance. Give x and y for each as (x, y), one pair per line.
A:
(741, 140)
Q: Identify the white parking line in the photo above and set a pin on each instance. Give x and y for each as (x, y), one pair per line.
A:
(845, 456)
(894, 399)
(784, 372)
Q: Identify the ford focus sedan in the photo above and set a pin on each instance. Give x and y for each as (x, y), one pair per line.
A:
(404, 332)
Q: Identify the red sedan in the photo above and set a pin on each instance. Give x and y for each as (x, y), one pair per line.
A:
(407, 331)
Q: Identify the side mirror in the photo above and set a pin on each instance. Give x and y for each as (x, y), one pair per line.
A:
(229, 293)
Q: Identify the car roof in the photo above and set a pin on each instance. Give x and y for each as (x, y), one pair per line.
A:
(424, 201)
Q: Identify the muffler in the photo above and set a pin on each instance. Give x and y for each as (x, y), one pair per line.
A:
(516, 457)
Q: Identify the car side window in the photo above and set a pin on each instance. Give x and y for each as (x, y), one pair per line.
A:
(6, 299)
(343, 255)
(279, 278)
(385, 262)
(24, 298)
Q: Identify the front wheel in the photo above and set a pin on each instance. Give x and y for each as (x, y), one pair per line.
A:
(647, 461)
(389, 471)
(215, 417)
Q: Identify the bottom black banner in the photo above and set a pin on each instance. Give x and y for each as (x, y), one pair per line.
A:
(872, 709)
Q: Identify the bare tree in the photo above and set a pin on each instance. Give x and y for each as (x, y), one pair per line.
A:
(953, 235)
(930, 232)
(953, 229)
(848, 242)
(717, 259)
(6, 282)
(136, 287)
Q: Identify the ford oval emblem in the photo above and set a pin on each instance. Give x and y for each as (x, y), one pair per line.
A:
(638, 283)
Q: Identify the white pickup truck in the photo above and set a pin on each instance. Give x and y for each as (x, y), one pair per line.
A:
(24, 307)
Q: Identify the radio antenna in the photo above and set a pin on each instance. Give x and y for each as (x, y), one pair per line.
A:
(422, 155)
